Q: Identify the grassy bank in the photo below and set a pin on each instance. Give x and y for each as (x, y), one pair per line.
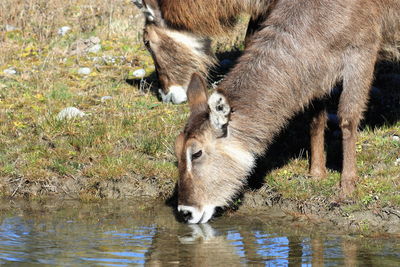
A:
(123, 146)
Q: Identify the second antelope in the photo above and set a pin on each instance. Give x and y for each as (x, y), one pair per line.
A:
(177, 35)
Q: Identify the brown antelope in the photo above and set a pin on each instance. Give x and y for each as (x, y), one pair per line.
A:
(177, 35)
(301, 50)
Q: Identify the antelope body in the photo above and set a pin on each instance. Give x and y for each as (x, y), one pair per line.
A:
(177, 34)
(301, 50)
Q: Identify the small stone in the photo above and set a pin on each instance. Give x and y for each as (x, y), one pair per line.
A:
(140, 73)
(70, 113)
(94, 40)
(10, 71)
(84, 71)
(397, 162)
(63, 30)
(10, 28)
(94, 49)
(105, 98)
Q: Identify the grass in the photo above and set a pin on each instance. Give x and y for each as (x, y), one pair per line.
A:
(132, 133)
(379, 176)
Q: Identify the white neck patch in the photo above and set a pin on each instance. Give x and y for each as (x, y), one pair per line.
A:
(243, 157)
(176, 95)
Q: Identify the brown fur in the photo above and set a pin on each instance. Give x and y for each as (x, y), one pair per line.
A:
(204, 17)
(303, 48)
(175, 68)
(199, 19)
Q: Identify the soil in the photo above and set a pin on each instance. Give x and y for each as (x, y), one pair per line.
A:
(324, 212)
(329, 212)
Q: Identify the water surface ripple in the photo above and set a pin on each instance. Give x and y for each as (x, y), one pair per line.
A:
(126, 233)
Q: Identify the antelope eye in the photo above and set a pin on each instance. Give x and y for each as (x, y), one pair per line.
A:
(197, 155)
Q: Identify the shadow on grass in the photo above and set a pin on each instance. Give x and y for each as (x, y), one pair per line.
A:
(293, 142)
(148, 84)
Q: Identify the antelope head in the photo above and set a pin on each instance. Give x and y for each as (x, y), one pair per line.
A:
(177, 54)
(213, 164)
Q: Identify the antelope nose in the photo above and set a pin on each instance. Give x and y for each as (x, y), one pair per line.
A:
(185, 214)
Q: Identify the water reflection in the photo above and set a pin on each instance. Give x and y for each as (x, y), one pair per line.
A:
(133, 233)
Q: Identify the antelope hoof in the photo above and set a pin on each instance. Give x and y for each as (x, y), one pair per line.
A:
(176, 95)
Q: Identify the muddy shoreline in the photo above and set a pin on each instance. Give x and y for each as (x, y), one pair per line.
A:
(328, 212)
(314, 212)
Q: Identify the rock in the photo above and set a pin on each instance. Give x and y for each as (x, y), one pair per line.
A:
(84, 71)
(63, 30)
(140, 73)
(86, 45)
(396, 138)
(397, 162)
(10, 28)
(70, 113)
(94, 40)
(393, 229)
(105, 98)
(10, 71)
(94, 49)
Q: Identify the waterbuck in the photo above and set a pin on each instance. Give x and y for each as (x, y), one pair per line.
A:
(301, 51)
(177, 34)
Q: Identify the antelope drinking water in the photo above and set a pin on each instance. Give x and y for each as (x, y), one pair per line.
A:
(302, 49)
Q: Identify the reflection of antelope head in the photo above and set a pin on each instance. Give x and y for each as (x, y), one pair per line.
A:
(213, 164)
(202, 232)
(209, 249)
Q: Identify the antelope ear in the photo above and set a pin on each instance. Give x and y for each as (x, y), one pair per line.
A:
(197, 94)
(150, 9)
(219, 113)
(179, 143)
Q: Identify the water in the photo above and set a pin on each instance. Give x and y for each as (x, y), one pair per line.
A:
(126, 233)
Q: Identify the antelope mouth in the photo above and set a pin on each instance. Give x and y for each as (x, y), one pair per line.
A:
(176, 95)
(194, 215)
